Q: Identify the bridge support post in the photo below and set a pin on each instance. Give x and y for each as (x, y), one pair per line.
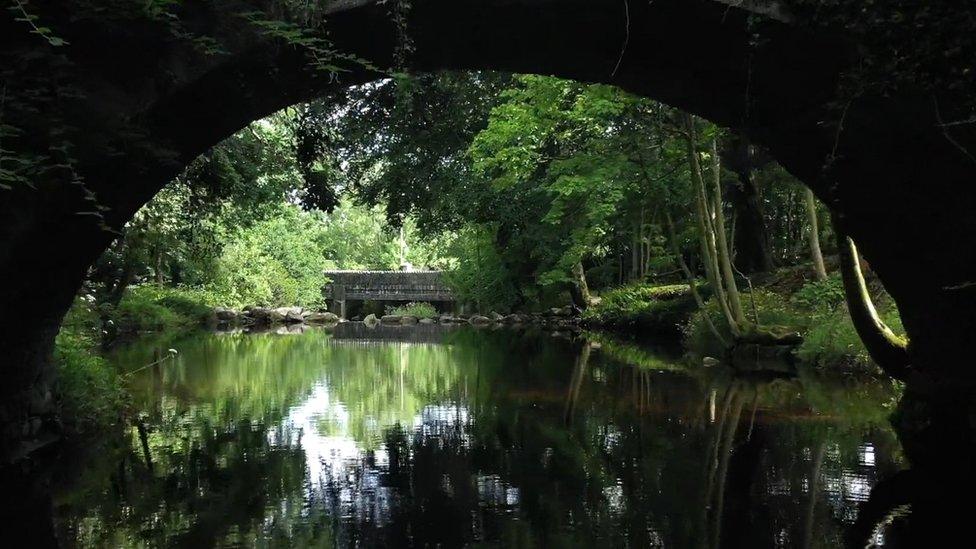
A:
(339, 300)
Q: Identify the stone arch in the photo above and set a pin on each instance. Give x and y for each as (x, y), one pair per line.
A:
(150, 105)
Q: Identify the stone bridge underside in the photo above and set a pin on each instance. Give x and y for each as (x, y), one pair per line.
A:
(385, 286)
(139, 104)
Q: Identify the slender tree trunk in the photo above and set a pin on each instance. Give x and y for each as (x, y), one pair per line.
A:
(720, 236)
(634, 253)
(818, 262)
(706, 229)
(580, 291)
(159, 266)
(692, 285)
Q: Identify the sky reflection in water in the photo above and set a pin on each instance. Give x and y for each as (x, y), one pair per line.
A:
(494, 437)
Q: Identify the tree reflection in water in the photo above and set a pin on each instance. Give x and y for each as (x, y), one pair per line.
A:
(504, 438)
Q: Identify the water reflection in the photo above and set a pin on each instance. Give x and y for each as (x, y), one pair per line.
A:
(501, 438)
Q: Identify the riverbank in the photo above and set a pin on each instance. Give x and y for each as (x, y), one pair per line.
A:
(789, 300)
(92, 393)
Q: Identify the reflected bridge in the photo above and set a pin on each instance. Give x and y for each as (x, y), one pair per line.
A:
(385, 286)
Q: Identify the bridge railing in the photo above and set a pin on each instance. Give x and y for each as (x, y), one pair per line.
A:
(387, 286)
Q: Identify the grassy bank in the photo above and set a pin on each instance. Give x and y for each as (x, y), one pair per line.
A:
(643, 309)
(91, 391)
(815, 309)
(150, 308)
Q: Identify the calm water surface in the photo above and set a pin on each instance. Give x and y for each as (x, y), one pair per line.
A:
(425, 437)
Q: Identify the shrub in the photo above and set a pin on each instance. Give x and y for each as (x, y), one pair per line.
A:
(481, 278)
(821, 296)
(419, 310)
(92, 397)
(833, 343)
(151, 308)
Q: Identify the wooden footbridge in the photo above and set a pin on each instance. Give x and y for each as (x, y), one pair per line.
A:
(384, 286)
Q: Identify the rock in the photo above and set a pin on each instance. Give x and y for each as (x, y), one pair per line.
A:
(709, 361)
(448, 319)
(321, 318)
(275, 316)
(555, 311)
(479, 320)
(408, 320)
(290, 314)
(356, 318)
(495, 317)
(427, 321)
(391, 319)
(225, 314)
(260, 315)
(371, 320)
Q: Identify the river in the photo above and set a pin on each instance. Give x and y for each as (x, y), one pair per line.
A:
(430, 436)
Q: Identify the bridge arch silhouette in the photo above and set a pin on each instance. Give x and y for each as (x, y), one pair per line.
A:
(143, 106)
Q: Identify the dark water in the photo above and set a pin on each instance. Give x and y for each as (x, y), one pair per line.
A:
(426, 438)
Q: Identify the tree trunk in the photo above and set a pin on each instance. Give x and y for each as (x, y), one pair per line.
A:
(159, 266)
(725, 260)
(706, 235)
(753, 251)
(692, 285)
(886, 348)
(814, 236)
(750, 238)
(580, 291)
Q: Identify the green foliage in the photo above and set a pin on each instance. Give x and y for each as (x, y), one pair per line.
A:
(561, 164)
(416, 309)
(770, 309)
(92, 396)
(820, 296)
(272, 263)
(833, 344)
(641, 307)
(817, 310)
(481, 278)
(150, 308)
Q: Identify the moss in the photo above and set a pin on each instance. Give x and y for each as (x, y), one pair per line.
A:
(816, 310)
(774, 314)
(643, 308)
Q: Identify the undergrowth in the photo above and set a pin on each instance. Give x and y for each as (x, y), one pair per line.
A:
(415, 309)
(643, 308)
